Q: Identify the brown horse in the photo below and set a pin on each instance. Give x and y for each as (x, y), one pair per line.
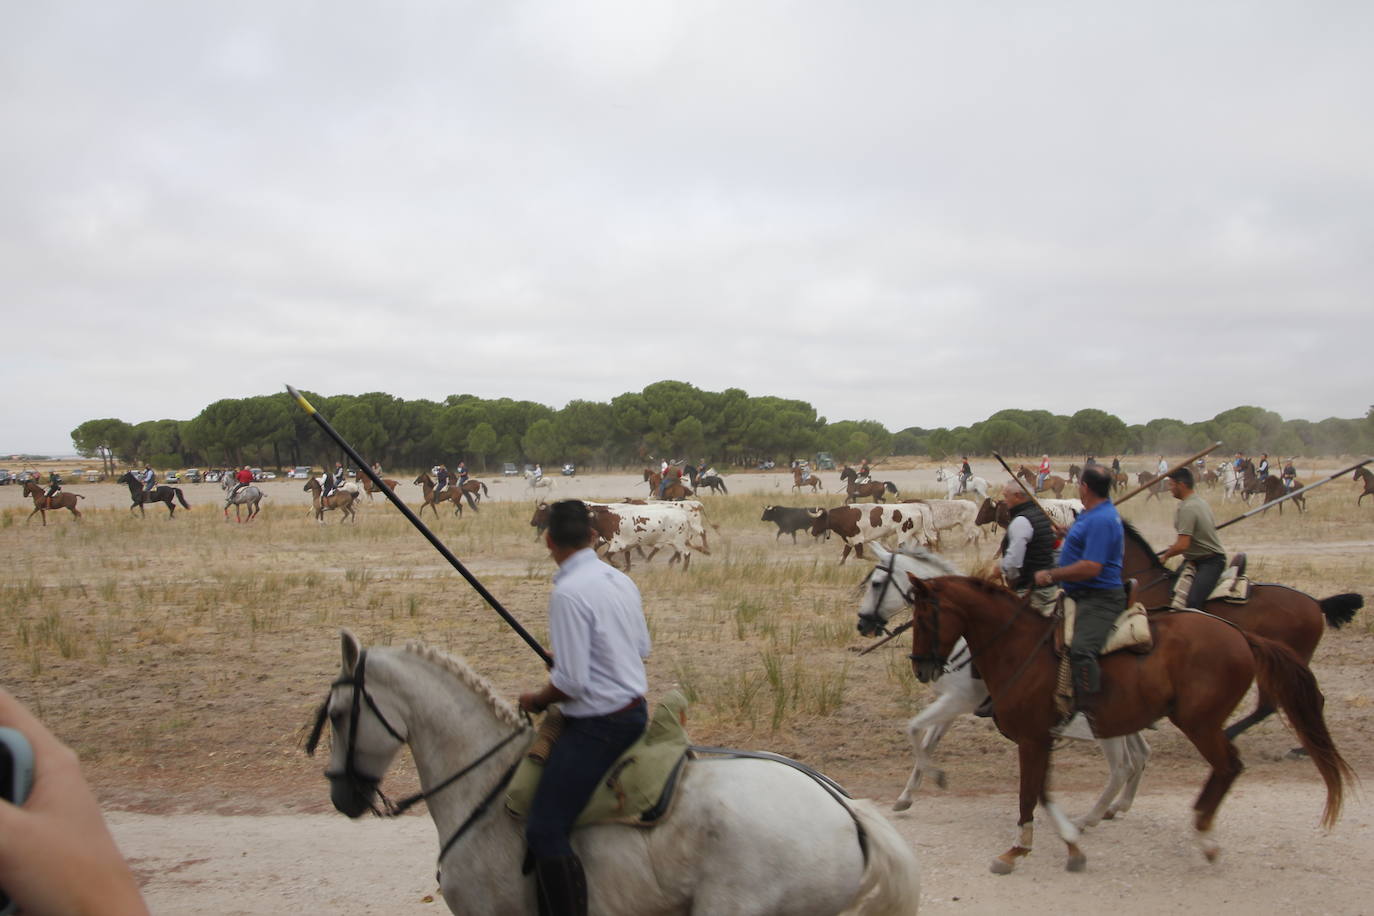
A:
(1156, 484)
(873, 490)
(1074, 473)
(44, 504)
(431, 499)
(814, 481)
(1275, 612)
(673, 491)
(1273, 490)
(1199, 669)
(369, 487)
(1368, 478)
(1053, 482)
(339, 499)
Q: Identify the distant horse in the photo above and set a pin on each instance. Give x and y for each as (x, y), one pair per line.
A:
(708, 479)
(1274, 490)
(1231, 480)
(1251, 484)
(1364, 475)
(673, 491)
(430, 499)
(874, 489)
(1156, 484)
(975, 485)
(340, 499)
(43, 504)
(813, 481)
(160, 494)
(369, 487)
(249, 496)
(1275, 612)
(1053, 482)
(473, 490)
(1198, 671)
(535, 484)
(1074, 473)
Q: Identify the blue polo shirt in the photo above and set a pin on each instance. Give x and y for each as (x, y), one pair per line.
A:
(1096, 536)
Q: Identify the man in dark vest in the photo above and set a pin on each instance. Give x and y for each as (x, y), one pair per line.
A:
(1027, 547)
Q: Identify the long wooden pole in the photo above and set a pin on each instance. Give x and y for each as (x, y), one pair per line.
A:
(1182, 464)
(447, 554)
(1310, 486)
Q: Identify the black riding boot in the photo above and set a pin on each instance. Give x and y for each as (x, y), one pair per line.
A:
(1087, 683)
(561, 887)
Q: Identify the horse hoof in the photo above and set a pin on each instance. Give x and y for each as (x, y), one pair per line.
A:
(1210, 853)
(1000, 866)
(1076, 862)
(940, 778)
(901, 804)
(1110, 814)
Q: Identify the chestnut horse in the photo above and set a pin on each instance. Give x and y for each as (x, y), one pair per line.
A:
(1155, 481)
(1275, 612)
(340, 499)
(162, 494)
(675, 489)
(1053, 482)
(814, 482)
(873, 490)
(1368, 478)
(41, 503)
(1198, 671)
(369, 487)
(432, 499)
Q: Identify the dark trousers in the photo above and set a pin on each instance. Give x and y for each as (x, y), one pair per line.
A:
(1207, 572)
(1098, 609)
(580, 757)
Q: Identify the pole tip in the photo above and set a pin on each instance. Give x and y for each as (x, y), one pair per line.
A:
(300, 399)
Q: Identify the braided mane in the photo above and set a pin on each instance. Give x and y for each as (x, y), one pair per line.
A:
(470, 679)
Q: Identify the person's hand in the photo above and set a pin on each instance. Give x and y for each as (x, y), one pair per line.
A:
(1042, 577)
(532, 701)
(57, 857)
(1058, 529)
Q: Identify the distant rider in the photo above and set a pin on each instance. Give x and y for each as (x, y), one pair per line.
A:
(54, 485)
(1290, 475)
(1204, 559)
(440, 479)
(1044, 472)
(148, 479)
(965, 473)
(242, 479)
(1263, 468)
(462, 472)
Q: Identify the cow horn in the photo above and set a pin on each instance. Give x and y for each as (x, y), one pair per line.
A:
(815, 513)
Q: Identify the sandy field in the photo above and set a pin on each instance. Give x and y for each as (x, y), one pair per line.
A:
(182, 658)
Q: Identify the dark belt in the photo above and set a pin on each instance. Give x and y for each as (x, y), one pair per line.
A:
(637, 701)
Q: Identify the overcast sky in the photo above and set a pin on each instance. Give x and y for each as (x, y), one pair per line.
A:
(911, 212)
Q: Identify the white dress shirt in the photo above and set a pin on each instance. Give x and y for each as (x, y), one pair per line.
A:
(1018, 536)
(600, 639)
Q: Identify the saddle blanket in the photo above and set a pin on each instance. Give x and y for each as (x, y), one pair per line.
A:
(1131, 630)
(638, 789)
(1231, 587)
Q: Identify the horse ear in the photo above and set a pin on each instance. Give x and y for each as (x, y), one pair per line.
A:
(350, 649)
(880, 553)
(918, 585)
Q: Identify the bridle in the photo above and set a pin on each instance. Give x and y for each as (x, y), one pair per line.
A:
(936, 658)
(874, 617)
(366, 785)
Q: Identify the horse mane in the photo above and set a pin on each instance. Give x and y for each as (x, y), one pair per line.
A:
(926, 555)
(479, 685)
(1133, 534)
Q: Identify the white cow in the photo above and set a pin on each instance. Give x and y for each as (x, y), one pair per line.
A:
(955, 513)
(625, 526)
(1062, 511)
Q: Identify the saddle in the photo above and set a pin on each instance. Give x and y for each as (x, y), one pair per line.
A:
(1131, 631)
(640, 786)
(1234, 586)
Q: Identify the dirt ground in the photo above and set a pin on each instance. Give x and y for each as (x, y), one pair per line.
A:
(183, 657)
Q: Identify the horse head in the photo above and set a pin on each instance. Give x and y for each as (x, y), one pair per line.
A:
(883, 592)
(365, 738)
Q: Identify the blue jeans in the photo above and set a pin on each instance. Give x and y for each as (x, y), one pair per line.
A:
(579, 759)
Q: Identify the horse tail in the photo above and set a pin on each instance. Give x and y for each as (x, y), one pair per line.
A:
(1340, 609)
(891, 487)
(723, 486)
(485, 491)
(1283, 676)
(181, 497)
(891, 882)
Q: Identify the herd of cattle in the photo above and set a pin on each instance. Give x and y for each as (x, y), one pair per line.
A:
(640, 525)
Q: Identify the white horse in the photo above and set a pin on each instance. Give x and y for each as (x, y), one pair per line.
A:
(960, 693)
(1232, 483)
(950, 479)
(745, 835)
(536, 484)
(248, 495)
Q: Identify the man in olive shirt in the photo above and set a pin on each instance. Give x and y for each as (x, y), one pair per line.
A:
(1204, 558)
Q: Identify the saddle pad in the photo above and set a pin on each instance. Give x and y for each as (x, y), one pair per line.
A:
(1231, 588)
(1131, 630)
(639, 787)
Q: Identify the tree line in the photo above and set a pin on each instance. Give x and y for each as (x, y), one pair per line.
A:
(665, 419)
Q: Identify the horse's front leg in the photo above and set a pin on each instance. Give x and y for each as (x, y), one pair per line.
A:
(37, 510)
(1137, 755)
(1118, 764)
(1034, 756)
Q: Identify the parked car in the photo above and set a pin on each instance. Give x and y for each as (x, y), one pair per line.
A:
(94, 476)
(268, 475)
(172, 477)
(5, 477)
(299, 473)
(257, 473)
(825, 461)
(569, 470)
(213, 476)
(191, 475)
(510, 470)
(26, 475)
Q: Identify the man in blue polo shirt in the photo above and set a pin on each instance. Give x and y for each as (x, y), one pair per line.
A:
(1090, 568)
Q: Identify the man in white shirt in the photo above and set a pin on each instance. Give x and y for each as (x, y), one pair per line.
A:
(1027, 547)
(600, 641)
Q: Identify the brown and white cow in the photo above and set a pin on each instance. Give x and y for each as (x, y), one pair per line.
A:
(858, 524)
(627, 527)
(955, 513)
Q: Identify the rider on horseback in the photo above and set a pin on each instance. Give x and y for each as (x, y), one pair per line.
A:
(241, 479)
(965, 472)
(1290, 474)
(148, 479)
(54, 485)
(1204, 559)
(865, 472)
(1043, 473)
(462, 472)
